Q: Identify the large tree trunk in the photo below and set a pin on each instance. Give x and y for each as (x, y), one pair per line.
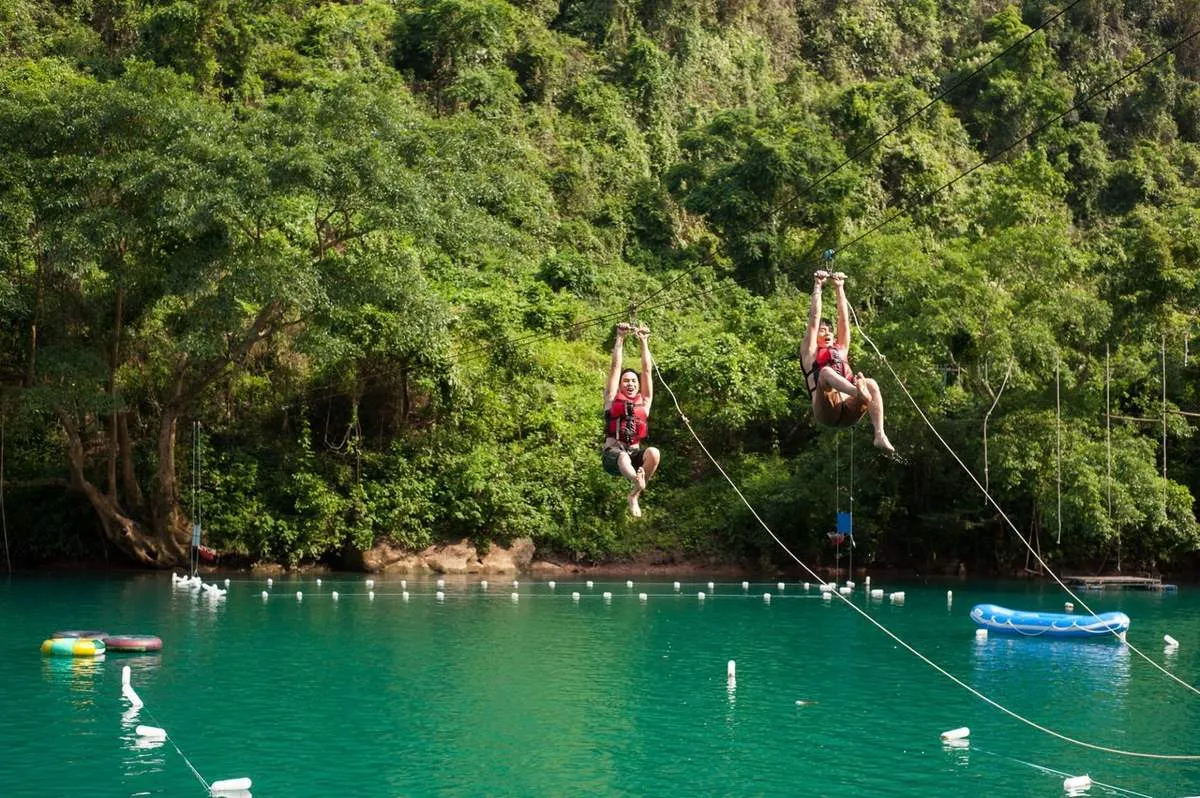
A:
(124, 532)
(170, 521)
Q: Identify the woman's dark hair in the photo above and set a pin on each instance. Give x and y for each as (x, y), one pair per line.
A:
(634, 373)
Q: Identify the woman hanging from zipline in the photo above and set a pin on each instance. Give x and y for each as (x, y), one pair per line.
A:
(839, 396)
(627, 398)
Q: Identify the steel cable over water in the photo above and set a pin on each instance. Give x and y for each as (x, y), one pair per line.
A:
(896, 638)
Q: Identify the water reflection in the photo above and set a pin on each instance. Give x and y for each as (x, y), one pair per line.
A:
(1099, 665)
(78, 674)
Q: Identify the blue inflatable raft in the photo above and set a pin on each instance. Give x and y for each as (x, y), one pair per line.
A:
(1049, 624)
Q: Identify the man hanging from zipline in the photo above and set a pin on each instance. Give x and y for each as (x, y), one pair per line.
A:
(839, 396)
(627, 398)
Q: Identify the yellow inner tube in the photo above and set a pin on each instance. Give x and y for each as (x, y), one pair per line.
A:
(72, 647)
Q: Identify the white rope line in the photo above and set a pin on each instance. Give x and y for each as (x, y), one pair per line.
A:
(892, 635)
(999, 510)
(1062, 774)
(171, 739)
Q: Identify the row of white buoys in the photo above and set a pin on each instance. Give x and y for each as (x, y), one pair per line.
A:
(156, 735)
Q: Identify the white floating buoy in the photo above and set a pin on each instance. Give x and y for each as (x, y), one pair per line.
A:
(1170, 641)
(404, 584)
(1077, 783)
(371, 595)
(897, 597)
(126, 676)
(270, 581)
(516, 596)
(440, 596)
(334, 595)
(318, 581)
(628, 583)
(700, 595)
(845, 591)
(981, 634)
(404, 595)
(229, 785)
(826, 595)
(1069, 607)
(779, 586)
(956, 734)
(516, 583)
(850, 584)
(711, 586)
(607, 596)
(483, 585)
(676, 586)
(265, 594)
(731, 671)
(299, 596)
(575, 596)
(767, 598)
(151, 731)
(745, 585)
(370, 583)
(642, 597)
(226, 583)
(441, 583)
(807, 585)
(877, 593)
(589, 583)
(551, 583)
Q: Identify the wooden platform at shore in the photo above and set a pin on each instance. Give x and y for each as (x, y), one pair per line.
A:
(1118, 582)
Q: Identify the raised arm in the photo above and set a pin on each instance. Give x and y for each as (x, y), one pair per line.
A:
(643, 334)
(843, 310)
(814, 319)
(614, 370)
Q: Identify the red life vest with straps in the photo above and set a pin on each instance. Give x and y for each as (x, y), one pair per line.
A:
(833, 357)
(626, 419)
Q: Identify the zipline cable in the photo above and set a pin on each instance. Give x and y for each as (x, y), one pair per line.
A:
(991, 500)
(834, 593)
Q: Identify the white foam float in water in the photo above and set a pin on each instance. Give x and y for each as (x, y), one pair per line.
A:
(607, 596)
(807, 585)
(845, 591)
(516, 583)
(551, 584)
(270, 581)
(589, 584)
(370, 583)
(227, 786)
(265, 594)
(318, 581)
(334, 595)
(404, 584)
(299, 596)
(826, 595)
(676, 586)
(483, 584)
(960, 733)
(575, 596)
(371, 595)
(153, 732)
(779, 586)
(1075, 783)
(1170, 641)
(516, 596)
(226, 583)
(440, 596)
(731, 671)
(700, 595)
(404, 595)
(1069, 607)
(981, 634)
(711, 586)
(877, 593)
(642, 597)
(767, 597)
(441, 583)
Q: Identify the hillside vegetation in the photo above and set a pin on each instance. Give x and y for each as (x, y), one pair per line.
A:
(318, 275)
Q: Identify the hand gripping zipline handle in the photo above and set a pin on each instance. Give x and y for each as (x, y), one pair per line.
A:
(827, 256)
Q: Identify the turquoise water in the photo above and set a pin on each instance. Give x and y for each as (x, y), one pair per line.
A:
(481, 695)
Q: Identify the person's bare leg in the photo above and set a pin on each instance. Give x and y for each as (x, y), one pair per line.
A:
(650, 462)
(829, 378)
(637, 477)
(870, 388)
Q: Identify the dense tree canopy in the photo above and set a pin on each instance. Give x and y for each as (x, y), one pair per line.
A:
(319, 275)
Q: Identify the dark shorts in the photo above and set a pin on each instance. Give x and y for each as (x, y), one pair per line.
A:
(610, 457)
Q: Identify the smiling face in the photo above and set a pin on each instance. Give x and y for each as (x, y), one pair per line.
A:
(630, 383)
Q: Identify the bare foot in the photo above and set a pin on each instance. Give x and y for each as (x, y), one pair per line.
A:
(882, 442)
(634, 509)
(641, 480)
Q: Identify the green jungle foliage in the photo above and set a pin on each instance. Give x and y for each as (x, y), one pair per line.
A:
(319, 276)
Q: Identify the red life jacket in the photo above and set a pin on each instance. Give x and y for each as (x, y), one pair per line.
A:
(626, 420)
(833, 357)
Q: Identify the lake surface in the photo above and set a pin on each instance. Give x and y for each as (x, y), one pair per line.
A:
(478, 694)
